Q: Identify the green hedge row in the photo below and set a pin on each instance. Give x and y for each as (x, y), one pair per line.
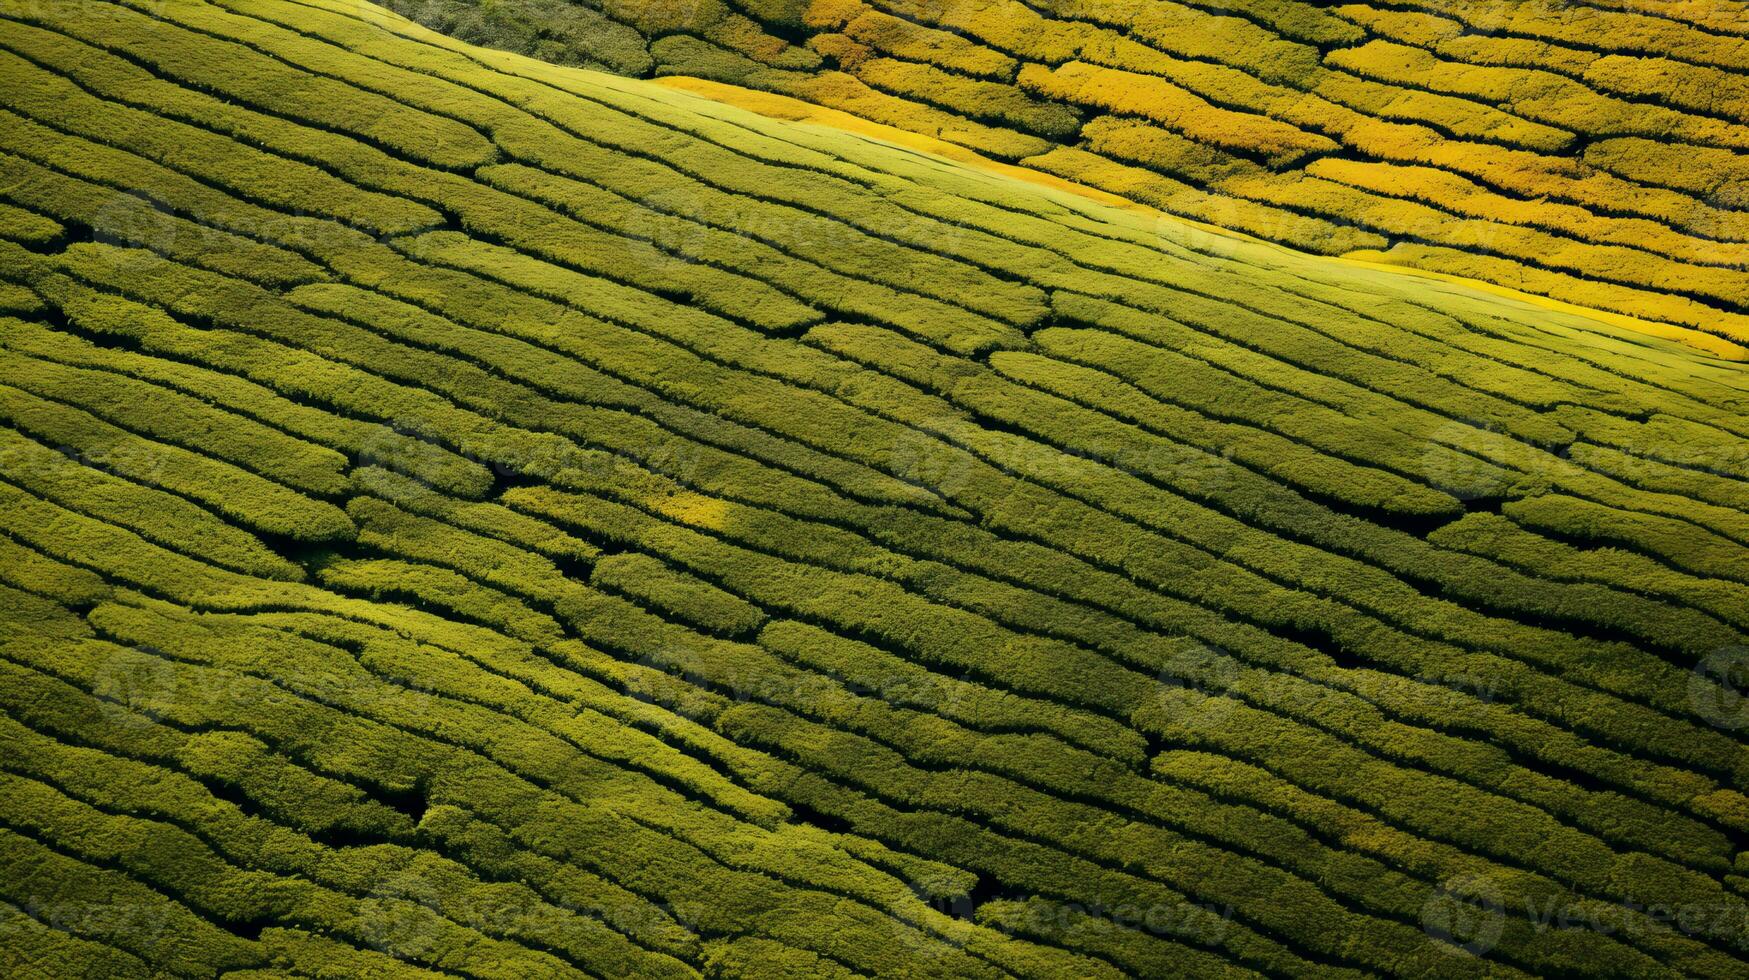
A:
(1530, 839)
(743, 571)
(570, 358)
(869, 671)
(1265, 505)
(167, 519)
(1227, 778)
(483, 517)
(237, 493)
(361, 441)
(1002, 601)
(233, 758)
(118, 215)
(167, 415)
(1720, 486)
(36, 948)
(225, 65)
(1111, 491)
(593, 120)
(725, 668)
(1504, 540)
(1667, 538)
(653, 582)
(1422, 705)
(758, 242)
(336, 741)
(167, 830)
(84, 91)
(509, 217)
(43, 586)
(1325, 474)
(29, 228)
(1495, 464)
(106, 906)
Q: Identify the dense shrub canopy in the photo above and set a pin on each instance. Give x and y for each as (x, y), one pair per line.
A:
(1587, 152)
(469, 516)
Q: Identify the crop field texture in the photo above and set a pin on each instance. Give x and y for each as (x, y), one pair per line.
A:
(1593, 151)
(462, 515)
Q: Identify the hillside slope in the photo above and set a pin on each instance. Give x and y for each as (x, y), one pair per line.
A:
(1589, 151)
(473, 517)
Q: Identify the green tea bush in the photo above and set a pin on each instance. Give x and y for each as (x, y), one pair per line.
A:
(464, 514)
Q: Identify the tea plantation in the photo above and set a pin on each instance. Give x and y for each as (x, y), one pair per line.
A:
(462, 515)
(1594, 151)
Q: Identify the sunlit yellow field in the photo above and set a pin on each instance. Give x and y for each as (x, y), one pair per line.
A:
(1588, 152)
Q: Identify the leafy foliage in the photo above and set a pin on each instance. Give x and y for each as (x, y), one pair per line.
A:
(466, 515)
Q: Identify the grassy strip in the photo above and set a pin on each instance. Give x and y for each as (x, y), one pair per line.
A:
(1227, 778)
(470, 779)
(300, 802)
(483, 517)
(654, 583)
(169, 416)
(568, 361)
(670, 216)
(1502, 539)
(106, 906)
(1112, 488)
(314, 101)
(158, 516)
(696, 659)
(522, 223)
(35, 948)
(612, 129)
(291, 185)
(810, 463)
(1489, 464)
(360, 441)
(47, 584)
(252, 500)
(122, 217)
(746, 572)
(1326, 476)
(183, 865)
(1457, 710)
(1719, 488)
(1267, 506)
(30, 228)
(1673, 542)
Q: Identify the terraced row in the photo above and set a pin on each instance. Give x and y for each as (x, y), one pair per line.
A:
(516, 521)
(1589, 153)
